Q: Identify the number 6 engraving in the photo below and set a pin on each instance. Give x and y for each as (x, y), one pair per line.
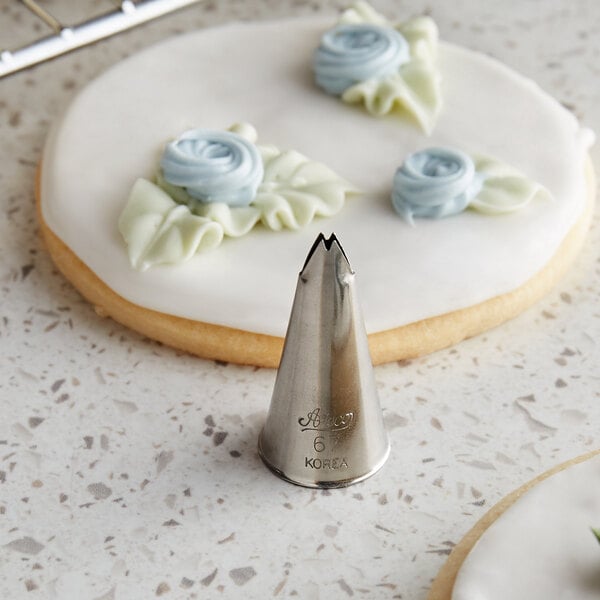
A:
(319, 444)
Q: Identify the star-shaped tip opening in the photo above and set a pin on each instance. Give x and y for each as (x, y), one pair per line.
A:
(328, 243)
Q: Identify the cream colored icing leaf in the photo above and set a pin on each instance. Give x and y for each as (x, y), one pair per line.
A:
(501, 195)
(416, 87)
(414, 91)
(504, 188)
(293, 208)
(492, 167)
(422, 36)
(277, 213)
(295, 190)
(280, 166)
(158, 230)
(177, 193)
(362, 12)
(235, 223)
(293, 169)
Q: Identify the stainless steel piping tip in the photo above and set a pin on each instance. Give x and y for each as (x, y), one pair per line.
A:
(325, 428)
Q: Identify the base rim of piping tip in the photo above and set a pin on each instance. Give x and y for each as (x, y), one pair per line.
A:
(324, 485)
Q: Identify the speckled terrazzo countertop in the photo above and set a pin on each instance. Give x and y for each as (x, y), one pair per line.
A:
(129, 471)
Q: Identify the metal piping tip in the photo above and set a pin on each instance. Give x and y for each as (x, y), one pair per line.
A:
(325, 427)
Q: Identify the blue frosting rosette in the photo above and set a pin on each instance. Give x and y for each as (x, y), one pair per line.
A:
(216, 184)
(349, 54)
(387, 67)
(439, 182)
(435, 183)
(214, 166)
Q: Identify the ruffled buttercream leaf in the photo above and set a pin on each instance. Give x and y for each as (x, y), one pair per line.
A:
(295, 190)
(235, 221)
(177, 193)
(277, 213)
(422, 36)
(362, 12)
(504, 189)
(415, 88)
(292, 209)
(281, 166)
(295, 169)
(414, 92)
(159, 230)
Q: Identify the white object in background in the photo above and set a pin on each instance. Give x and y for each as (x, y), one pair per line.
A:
(66, 39)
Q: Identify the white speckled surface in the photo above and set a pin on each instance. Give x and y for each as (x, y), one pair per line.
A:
(128, 471)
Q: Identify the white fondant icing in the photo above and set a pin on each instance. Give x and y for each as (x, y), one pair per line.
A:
(107, 139)
(542, 546)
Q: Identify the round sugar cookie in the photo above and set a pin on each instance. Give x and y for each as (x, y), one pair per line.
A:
(536, 543)
(422, 288)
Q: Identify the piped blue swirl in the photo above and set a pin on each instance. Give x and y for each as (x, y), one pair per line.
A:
(435, 183)
(349, 54)
(214, 166)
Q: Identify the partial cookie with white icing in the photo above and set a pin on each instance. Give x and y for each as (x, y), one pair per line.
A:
(535, 544)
